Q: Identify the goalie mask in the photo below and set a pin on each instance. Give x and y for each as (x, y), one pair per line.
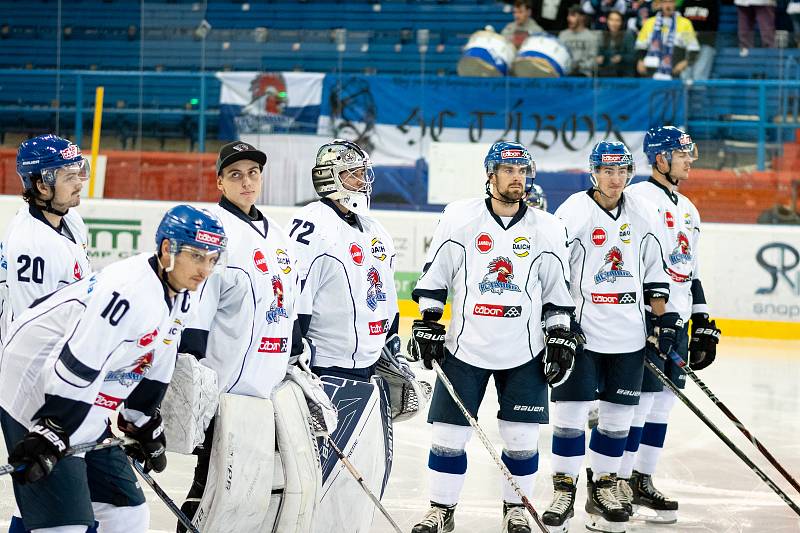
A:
(343, 172)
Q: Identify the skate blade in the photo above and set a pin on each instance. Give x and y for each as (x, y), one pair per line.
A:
(653, 516)
(563, 528)
(598, 523)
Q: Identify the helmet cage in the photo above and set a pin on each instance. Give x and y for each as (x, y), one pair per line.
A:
(335, 165)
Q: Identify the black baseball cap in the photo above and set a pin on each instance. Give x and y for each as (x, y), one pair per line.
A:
(238, 150)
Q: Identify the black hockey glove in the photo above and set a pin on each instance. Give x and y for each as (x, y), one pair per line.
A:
(703, 344)
(151, 444)
(559, 357)
(39, 451)
(426, 343)
(668, 326)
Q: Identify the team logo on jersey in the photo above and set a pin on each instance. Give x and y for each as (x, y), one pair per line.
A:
(374, 292)
(497, 311)
(599, 236)
(625, 233)
(276, 309)
(147, 339)
(614, 298)
(77, 271)
(612, 268)
(284, 263)
(273, 345)
(378, 249)
(521, 247)
(133, 374)
(484, 243)
(501, 272)
(357, 253)
(379, 327)
(107, 402)
(669, 219)
(260, 261)
(682, 253)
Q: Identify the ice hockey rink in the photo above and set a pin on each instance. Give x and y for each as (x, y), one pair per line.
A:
(757, 379)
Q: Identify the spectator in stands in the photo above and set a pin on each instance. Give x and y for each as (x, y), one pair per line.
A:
(793, 10)
(666, 44)
(617, 49)
(750, 13)
(132, 33)
(5, 31)
(551, 14)
(637, 13)
(598, 11)
(581, 42)
(522, 26)
(704, 15)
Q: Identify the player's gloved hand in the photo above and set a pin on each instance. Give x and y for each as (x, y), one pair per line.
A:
(703, 344)
(151, 443)
(559, 357)
(39, 451)
(667, 326)
(427, 342)
(304, 358)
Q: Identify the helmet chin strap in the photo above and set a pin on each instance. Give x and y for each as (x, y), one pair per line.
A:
(505, 199)
(668, 174)
(166, 270)
(48, 206)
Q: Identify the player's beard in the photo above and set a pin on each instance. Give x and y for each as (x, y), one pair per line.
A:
(511, 195)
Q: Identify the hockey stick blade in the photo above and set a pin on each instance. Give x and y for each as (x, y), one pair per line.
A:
(739, 453)
(75, 450)
(489, 446)
(182, 518)
(676, 358)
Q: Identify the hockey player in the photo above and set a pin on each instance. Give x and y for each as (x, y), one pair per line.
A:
(77, 355)
(616, 268)
(45, 244)
(506, 268)
(348, 309)
(245, 317)
(671, 152)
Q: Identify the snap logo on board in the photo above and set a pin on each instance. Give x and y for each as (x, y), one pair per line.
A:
(521, 247)
(272, 345)
(260, 261)
(669, 219)
(599, 236)
(484, 243)
(357, 253)
(106, 401)
(147, 339)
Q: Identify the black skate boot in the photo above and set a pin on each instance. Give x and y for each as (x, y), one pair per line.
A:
(514, 518)
(646, 495)
(438, 519)
(624, 494)
(606, 513)
(562, 508)
(192, 503)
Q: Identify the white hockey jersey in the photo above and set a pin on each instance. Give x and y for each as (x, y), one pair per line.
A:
(106, 341)
(680, 224)
(243, 325)
(36, 259)
(501, 277)
(615, 260)
(347, 279)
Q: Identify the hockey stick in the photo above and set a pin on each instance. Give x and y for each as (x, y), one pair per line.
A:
(182, 518)
(722, 407)
(74, 450)
(488, 445)
(352, 469)
(760, 473)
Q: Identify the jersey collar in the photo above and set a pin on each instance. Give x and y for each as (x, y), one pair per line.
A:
(153, 261)
(250, 218)
(62, 228)
(516, 218)
(350, 217)
(669, 192)
(590, 192)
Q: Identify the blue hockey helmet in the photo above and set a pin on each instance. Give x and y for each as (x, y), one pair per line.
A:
(184, 225)
(536, 198)
(45, 155)
(665, 140)
(511, 153)
(610, 154)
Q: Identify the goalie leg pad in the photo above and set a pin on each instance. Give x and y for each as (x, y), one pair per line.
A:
(364, 436)
(299, 459)
(240, 473)
(189, 404)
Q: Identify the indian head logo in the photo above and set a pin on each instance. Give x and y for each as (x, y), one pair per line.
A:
(131, 375)
(276, 309)
(498, 279)
(682, 253)
(375, 293)
(612, 267)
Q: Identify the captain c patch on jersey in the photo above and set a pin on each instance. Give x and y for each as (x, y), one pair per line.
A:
(501, 271)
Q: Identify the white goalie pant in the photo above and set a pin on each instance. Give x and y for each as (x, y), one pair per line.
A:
(250, 487)
(364, 435)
